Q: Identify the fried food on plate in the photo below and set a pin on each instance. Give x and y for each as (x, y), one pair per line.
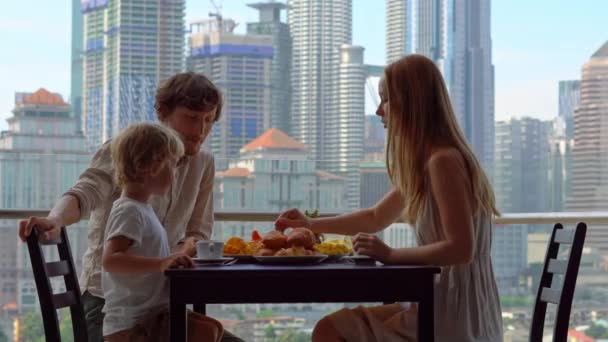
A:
(302, 237)
(274, 240)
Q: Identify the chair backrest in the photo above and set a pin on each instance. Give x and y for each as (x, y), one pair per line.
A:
(49, 302)
(560, 294)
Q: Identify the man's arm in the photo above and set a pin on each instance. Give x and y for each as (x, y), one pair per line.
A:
(201, 222)
(94, 186)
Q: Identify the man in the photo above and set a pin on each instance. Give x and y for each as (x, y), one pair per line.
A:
(188, 103)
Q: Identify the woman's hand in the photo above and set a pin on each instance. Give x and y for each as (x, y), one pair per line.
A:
(371, 245)
(292, 218)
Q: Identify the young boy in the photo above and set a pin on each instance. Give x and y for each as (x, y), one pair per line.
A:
(136, 250)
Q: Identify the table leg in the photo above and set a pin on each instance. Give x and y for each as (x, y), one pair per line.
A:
(426, 316)
(177, 313)
(200, 308)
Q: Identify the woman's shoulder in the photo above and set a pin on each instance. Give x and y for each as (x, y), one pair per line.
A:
(445, 157)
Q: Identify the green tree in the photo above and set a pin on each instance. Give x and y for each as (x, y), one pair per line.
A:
(65, 327)
(292, 335)
(269, 332)
(32, 328)
(237, 313)
(3, 337)
(265, 314)
(597, 331)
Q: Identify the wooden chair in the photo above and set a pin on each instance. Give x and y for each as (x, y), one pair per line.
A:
(562, 294)
(49, 302)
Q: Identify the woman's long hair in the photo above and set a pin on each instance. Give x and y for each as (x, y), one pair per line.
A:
(420, 118)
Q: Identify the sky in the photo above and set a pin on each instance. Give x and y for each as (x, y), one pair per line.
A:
(535, 44)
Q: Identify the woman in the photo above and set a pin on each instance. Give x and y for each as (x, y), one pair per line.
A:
(442, 191)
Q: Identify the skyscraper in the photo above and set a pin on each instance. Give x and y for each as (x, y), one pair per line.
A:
(521, 165)
(560, 161)
(130, 46)
(589, 157)
(456, 35)
(521, 185)
(76, 71)
(328, 78)
(240, 65)
(345, 122)
(569, 98)
(269, 23)
(318, 28)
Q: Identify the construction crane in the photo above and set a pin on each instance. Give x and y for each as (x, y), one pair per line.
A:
(220, 19)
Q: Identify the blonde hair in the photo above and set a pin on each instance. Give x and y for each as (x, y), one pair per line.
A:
(420, 117)
(140, 148)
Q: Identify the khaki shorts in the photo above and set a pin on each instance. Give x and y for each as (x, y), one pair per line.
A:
(156, 328)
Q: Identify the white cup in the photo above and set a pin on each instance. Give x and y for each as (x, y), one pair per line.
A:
(209, 249)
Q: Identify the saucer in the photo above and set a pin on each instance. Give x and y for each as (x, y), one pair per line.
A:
(219, 261)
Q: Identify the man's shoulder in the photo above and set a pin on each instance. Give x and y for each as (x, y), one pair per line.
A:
(204, 155)
(203, 160)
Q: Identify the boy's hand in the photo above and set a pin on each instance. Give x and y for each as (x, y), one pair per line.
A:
(188, 246)
(176, 260)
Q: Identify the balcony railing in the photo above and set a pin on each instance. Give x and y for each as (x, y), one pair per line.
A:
(589, 217)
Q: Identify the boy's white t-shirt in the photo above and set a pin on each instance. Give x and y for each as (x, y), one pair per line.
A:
(128, 296)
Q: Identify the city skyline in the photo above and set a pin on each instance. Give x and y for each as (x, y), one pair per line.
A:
(520, 52)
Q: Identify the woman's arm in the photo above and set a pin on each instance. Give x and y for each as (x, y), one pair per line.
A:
(371, 220)
(450, 185)
(116, 260)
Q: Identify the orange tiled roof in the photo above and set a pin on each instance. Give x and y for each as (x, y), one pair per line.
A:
(235, 172)
(327, 175)
(10, 306)
(580, 336)
(273, 138)
(44, 97)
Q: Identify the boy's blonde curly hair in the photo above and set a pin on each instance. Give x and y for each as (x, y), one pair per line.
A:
(141, 148)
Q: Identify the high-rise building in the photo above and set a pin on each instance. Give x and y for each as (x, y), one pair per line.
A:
(456, 35)
(521, 185)
(130, 46)
(273, 174)
(375, 183)
(510, 258)
(521, 165)
(240, 65)
(319, 28)
(589, 158)
(569, 98)
(270, 24)
(76, 71)
(374, 138)
(345, 122)
(328, 78)
(41, 155)
(560, 157)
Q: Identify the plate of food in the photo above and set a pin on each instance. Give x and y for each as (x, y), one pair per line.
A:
(241, 250)
(290, 260)
(335, 248)
(296, 247)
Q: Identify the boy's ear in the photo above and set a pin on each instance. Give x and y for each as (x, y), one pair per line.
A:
(155, 167)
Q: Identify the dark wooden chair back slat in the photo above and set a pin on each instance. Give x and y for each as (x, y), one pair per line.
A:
(49, 302)
(57, 268)
(559, 294)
